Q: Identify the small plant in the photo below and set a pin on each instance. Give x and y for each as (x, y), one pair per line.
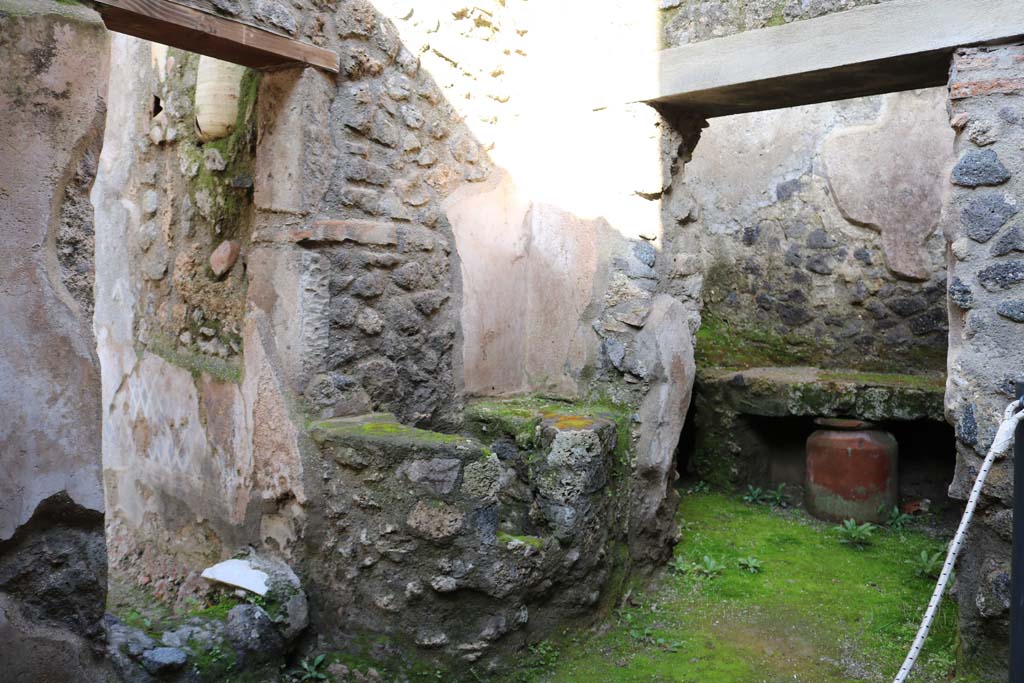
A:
(777, 497)
(700, 487)
(640, 635)
(751, 565)
(543, 657)
(679, 566)
(896, 520)
(258, 600)
(754, 495)
(856, 535)
(708, 567)
(646, 636)
(309, 670)
(928, 566)
(942, 661)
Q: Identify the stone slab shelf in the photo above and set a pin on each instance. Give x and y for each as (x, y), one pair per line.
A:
(805, 391)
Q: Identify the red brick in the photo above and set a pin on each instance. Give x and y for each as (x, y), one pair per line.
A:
(994, 86)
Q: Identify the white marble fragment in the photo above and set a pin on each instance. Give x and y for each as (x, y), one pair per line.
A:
(238, 573)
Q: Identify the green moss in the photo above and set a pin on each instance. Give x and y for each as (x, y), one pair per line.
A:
(532, 541)
(138, 607)
(621, 415)
(730, 345)
(778, 17)
(816, 605)
(515, 418)
(518, 418)
(215, 663)
(362, 654)
(721, 343)
(383, 429)
(218, 610)
(229, 203)
(196, 363)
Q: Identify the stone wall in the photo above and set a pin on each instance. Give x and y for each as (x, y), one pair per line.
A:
(983, 228)
(824, 241)
(439, 552)
(290, 18)
(562, 250)
(52, 565)
(809, 235)
(406, 239)
(815, 229)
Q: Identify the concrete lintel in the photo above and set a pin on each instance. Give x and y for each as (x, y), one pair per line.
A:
(892, 46)
(167, 22)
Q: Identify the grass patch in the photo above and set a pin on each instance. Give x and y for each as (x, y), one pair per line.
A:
(816, 611)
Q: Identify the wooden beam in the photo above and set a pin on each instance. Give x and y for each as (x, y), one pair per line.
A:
(892, 46)
(167, 22)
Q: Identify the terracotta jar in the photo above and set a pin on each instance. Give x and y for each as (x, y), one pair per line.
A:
(218, 86)
(852, 471)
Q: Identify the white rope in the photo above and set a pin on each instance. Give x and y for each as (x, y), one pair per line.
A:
(1004, 437)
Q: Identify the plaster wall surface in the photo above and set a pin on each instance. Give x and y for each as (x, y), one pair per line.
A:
(48, 372)
(572, 188)
(51, 501)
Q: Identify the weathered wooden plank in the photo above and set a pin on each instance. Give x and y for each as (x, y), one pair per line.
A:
(167, 22)
(892, 46)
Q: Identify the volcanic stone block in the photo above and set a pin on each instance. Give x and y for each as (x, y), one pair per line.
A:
(1002, 275)
(980, 167)
(1014, 310)
(984, 215)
